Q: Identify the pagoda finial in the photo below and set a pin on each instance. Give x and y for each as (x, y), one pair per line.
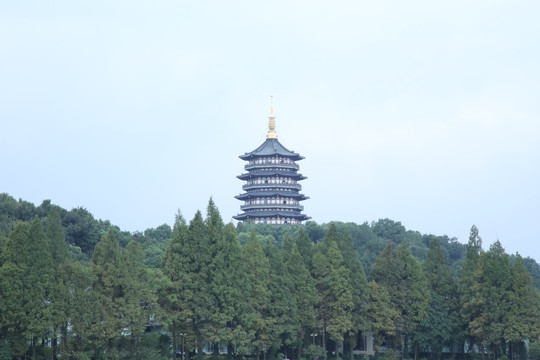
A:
(272, 121)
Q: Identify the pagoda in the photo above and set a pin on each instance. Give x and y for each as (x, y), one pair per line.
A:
(272, 189)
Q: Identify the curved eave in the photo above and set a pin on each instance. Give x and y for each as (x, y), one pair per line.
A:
(266, 173)
(257, 194)
(271, 214)
(271, 147)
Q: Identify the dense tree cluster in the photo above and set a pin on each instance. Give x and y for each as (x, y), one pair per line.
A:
(73, 287)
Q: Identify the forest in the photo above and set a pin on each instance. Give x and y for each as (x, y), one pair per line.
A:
(74, 287)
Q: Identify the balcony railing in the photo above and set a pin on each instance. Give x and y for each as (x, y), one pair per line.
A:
(271, 206)
(269, 164)
(251, 186)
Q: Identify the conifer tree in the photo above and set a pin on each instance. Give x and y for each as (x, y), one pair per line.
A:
(175, 296)
(522, 320)
(382, 314)
(442, 322)
(286, 247)
(198, 301)
(137, 294)
(404, 280)
(334, 289)
(40, 275)
(305, 296)
(283, 308)
(465, 283)
(16, 293)
(110, 287)
(228, 286)
(59, 292)
(83, 308)
(359, 289)
(257, 269)
(305, 247)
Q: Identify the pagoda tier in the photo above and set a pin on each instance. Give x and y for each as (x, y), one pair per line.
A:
(271, 184)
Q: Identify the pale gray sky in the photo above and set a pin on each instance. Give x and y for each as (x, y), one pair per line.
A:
(424, 112)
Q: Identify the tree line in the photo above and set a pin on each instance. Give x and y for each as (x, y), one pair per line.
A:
(257, 291)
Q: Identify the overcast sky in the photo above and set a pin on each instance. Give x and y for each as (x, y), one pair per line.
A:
(424, 112)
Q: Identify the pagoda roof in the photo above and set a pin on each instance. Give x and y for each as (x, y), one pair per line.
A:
(270, 194)
(258, 173)
(270, 214)
(271, 147)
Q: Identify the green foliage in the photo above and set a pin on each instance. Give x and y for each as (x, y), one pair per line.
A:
(257, 267)
(260, 289)
(6, 353)
(382, 314)
(534, 350)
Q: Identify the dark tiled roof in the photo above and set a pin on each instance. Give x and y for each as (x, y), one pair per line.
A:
(269, 148)
(271, 194)
(271, 214)
(285, 173)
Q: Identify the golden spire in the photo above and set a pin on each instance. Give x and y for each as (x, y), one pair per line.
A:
(272, 122)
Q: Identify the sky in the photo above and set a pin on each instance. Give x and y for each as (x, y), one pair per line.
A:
(423, 112)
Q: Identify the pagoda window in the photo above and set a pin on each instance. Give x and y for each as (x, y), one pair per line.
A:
(266, 181)
(284, 201)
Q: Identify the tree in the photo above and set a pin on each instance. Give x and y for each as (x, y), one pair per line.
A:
(435, 330)
(489, 305)
(228, 287)
(118, 286)
(466, 281)
(382, 314)
(305, 295)
(335, 303)
(16, 293)
(259, 321)
(25, 286)
(58, 295)
(400, 273)
(283, 308)
(305, 247)
(174, 295)
(522, 319)
(442, 324)
(359, 289)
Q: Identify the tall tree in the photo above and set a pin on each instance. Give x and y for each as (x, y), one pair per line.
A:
(442, 325)
(257, 269)
(465, 283)
(17, 296)
(283, 308)
(58, 296)
(40, 275)
(305, 296)
(404, 280)
(228, 287)
(382, 314)
(359, 289)
(491, 284)
(522, 320)
(175, 296)
(335, 303)
(110, 291)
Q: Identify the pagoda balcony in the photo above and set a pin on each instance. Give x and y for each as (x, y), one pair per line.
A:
(272, 185)
(271, 206)
(273, 165)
